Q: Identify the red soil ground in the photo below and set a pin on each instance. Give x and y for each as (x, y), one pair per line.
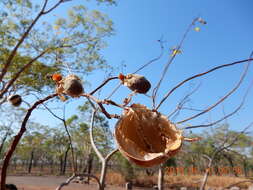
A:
(51, 182)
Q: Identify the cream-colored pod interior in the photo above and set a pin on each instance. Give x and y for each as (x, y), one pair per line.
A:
(146, 137)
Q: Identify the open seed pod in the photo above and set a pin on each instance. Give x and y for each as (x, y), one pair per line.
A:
(135, 82)
(15, 100)
(146, 137)
(72, 86)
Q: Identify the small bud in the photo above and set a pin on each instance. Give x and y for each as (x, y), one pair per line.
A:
(56, 77)
(15, 100)
(175, 51)
(202, 21)
(137, 83)
(121, 77)
(197, 29)
(72, 86)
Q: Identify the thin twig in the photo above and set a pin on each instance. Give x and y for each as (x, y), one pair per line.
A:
(153, 60)
(226, 116)
(66, 182)
(92, 176)
(52, 8)
(184, 100)
(68, 134)
(17, 139)
(142, 67)
(199, 75)
(108, 156)
(218, 150)
(16, 75)
(20, 41)
(27, 65)
(155, 90)
(100, 104)
(224, 97)
(100, 86)
(114, 90)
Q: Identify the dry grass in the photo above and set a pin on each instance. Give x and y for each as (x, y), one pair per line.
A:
(171, 181)
(213, 181)
(192, 181)
(114, 178)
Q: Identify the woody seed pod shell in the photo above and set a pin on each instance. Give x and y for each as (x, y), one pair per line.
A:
(137, 83)
(145, 137)
(15, 100)
(72, 86)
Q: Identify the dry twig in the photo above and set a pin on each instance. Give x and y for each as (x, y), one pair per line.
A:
(74, 166)
(18, 137)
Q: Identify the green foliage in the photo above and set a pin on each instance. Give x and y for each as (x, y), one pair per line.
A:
(74, 40)
(126, 168)
(235, 155)
(33, 78)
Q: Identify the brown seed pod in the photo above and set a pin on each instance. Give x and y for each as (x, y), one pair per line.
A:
(135, 82)
(72, 86)
(15, 100)
(146, 137)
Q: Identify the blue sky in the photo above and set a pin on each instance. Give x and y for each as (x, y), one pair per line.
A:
(138, 24)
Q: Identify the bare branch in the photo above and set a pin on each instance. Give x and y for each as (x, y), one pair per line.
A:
(100, 104)
(184, 100)
(244, 181)
(16, 75)
(207, 157)
(52, 8)
(66, 182)
(155, 90)
(142, 67)
(114, 90)
(217, 151)
(226, 116)
(20, 41)
(153, 60)
(223, 98)
(199, 75)
(92, 138)
(18, 137)
(111, 154)
(68, 134)
(92, 176)
(100, 86)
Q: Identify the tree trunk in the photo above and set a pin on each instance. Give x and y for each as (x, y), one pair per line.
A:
(52, 166)
(103, 174)
(161, 177)
(61, 164)
(65, 161)
(42, 166)
(245, 168)
(3, 141)
(88, 166)
(30, 162)
(231, 163)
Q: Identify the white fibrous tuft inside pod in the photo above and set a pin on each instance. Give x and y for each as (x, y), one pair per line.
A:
(15, 100)
(72, 86)
(135, 82)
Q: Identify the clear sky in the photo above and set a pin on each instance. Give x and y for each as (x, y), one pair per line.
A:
(227, 37)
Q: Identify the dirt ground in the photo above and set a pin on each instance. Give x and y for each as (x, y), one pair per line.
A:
(51, 182)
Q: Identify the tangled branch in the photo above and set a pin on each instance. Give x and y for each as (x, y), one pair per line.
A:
(200, 75)
(18, 137)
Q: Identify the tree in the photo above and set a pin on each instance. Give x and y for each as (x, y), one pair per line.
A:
(26, 37)
(75, 39)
